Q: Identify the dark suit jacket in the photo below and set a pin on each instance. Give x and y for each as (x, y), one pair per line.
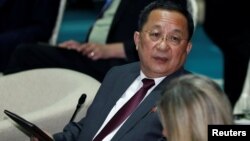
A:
(123, 27)
(142, 125)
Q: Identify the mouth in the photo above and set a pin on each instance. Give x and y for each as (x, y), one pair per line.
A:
(160, 59)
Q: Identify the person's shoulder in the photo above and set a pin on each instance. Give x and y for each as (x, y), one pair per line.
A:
(118, 71)
(130, 66)
(122, 71)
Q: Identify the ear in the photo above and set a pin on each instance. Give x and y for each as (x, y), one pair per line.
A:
(189, 47)
(137, 39)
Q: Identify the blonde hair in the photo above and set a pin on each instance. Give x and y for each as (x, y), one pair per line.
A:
(189, 104)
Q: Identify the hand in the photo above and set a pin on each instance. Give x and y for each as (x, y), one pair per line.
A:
(93, 51)
(98, 51)
(71, 44)
(33, 138)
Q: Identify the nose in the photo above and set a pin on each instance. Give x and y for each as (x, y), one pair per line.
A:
(163, 43)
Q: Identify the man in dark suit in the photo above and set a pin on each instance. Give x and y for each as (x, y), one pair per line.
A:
(96, 55)
(231, 32)
(25, 21)
(163, 43)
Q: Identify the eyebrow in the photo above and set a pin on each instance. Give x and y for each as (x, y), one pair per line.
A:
(155, 27)
(177, 31)
(160, 27)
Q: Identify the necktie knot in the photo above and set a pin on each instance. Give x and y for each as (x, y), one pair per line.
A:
(148, 83)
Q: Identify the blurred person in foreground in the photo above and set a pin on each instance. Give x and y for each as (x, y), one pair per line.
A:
(193, 101)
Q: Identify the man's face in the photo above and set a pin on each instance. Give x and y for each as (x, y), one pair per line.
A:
(162, 44)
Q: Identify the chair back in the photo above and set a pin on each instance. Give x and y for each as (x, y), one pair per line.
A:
(55, 32)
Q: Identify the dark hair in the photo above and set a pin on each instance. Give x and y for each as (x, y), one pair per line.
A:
(170, 5)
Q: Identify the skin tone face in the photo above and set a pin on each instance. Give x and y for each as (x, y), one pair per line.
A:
(162, 44)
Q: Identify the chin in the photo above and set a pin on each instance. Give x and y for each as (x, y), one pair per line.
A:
(160, 72)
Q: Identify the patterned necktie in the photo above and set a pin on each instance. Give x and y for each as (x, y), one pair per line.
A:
(126, 110)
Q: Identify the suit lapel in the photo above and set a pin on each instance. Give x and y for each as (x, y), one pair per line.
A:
(146, 107)
(123, 82)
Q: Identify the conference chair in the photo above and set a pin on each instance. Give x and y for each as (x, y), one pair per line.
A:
(243, 102)
(46, 97)
(55, 32)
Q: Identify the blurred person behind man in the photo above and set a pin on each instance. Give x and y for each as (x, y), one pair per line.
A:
(163, 41)
(193, 101)
(109, 43)
(25, 21)
(225, 23)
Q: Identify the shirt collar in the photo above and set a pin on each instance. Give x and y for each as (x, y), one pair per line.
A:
(157, 80)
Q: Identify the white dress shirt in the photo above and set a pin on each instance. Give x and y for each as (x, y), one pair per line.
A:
(132, 89)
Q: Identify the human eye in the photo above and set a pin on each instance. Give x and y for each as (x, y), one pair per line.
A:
(175, 39)
(155, 36)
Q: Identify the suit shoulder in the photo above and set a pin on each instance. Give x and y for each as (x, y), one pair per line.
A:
(129, 66)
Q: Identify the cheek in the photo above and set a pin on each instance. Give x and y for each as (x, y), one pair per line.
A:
(147, 43)
(178, 55)
(147, 48)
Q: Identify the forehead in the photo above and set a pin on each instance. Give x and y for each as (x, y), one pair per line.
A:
(166, 19)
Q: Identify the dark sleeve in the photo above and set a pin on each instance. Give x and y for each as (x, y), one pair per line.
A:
(130, 51)
(27, 21)
(70, 132)
(124, 24)
(132, 20)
